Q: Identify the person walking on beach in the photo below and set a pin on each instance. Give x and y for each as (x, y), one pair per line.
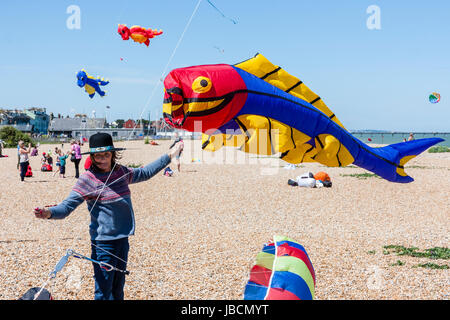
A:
(105, 187)
(34, 152)
(23, 159)
(178, 139)
(76, 156)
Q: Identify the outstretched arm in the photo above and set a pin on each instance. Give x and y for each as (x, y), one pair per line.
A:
(142, 174)
(62, 210)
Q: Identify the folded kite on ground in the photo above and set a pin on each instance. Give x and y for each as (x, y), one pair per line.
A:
(282, 271)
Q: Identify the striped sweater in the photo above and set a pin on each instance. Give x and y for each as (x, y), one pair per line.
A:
(112, 216)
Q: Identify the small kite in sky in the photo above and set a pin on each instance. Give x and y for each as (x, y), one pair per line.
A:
(91, 84)
(138, 34)
(219, 49)
(217, 9)
(434, 97)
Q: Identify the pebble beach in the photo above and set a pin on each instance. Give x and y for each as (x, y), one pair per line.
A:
(199, 231)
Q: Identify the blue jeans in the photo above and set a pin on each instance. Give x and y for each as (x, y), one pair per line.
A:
(109, 285)
(23, 169)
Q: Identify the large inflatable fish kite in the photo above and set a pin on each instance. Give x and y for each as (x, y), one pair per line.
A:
(138, 34)
(282, 271)
(262, 109)
(91, 84)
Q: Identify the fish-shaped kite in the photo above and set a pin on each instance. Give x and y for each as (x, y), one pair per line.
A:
(282, 271)
(262, 109)
(138, 34)
(91, 84)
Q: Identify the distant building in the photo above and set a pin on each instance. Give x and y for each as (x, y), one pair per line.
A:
(72, 127)
(39, 119)
(31, 121)
(130, 124)
(82, 127)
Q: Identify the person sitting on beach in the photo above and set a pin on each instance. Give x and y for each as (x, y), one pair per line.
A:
(49, 159)
(105, 187)
(44, 159)
(34, 152)
(411, 137)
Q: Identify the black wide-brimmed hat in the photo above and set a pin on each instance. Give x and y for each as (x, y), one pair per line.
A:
(101, 142)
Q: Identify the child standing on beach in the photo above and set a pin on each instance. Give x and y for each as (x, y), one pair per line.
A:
(62, 163)
(57, 156)
(105, 187)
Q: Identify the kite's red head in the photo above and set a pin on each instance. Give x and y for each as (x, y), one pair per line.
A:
(203, 98)
(124, 31)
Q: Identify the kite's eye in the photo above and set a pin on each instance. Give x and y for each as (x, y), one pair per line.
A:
(201, 85)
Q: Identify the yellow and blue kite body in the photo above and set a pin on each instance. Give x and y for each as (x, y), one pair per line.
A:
(262, 109)
(91, 84)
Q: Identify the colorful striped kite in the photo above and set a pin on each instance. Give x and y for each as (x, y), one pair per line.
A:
(434, 97)
(282, 271)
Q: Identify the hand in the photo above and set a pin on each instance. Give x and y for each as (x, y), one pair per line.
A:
(176, 150)
(42, 213)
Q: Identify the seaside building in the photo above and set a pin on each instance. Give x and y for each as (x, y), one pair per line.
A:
(33, 121)
(82, 127)
(39, 119)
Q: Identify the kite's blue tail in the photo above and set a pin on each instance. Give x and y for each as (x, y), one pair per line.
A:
(388, 162)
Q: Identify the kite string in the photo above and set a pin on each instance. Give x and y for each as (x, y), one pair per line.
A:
(153, 92)
(217, 9)
(134, 128)
(145, 107)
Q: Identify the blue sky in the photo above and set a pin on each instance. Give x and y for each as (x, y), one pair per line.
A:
(371, 79)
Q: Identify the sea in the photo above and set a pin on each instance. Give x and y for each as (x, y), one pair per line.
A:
(396, 137)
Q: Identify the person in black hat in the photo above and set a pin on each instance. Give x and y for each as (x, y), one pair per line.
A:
(104, 186)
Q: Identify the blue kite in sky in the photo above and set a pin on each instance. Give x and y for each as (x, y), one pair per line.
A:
(91, 84)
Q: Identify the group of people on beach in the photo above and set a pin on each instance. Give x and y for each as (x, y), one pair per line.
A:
(105, 187)
(25, 152)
